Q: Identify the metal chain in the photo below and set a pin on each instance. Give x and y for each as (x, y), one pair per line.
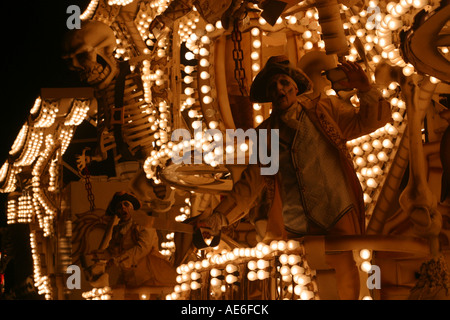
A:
(88, 187)
(238, 57)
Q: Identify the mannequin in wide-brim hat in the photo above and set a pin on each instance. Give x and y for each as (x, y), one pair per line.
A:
(315, 190)
(133, 251)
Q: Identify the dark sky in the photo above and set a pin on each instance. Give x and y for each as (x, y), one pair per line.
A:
(31, 59)
(32, 32)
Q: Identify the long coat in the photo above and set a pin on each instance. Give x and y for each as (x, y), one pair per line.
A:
(135, 249)
(339, 122)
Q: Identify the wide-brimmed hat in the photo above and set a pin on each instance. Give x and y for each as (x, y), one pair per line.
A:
(277, 65)
(122, 196)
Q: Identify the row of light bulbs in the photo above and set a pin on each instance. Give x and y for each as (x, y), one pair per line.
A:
(225, 269)
(104, 293)
(20, 210)
(41, 282)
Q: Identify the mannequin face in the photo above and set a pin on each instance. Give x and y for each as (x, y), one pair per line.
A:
(282, 91)
(124, 209)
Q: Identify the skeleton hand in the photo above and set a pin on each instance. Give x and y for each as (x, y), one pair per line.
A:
(84, 160)
(427, 221)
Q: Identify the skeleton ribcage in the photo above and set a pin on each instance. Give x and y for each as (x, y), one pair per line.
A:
(136, 131)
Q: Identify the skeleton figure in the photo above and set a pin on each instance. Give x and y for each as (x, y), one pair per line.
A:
(122, 118)
(89, 51)
(118, 91)
(417, 200)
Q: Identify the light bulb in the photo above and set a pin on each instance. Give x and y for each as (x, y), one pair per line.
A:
(215, 272)
(230, 268)
(189, 55)
(366, 266)
(364, 254)
(285, 270)
(262, 264)
(297, 270)
(252, 276)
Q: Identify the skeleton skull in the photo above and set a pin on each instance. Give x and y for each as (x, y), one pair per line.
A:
(89, 51)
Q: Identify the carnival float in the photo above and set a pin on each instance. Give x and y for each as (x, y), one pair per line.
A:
(151, 67)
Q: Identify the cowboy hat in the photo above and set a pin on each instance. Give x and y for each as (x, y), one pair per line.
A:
(277, 65)
(122, 196)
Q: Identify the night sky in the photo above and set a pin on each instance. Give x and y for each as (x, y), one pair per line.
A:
(31, 60)
(32, 33)
(31, 55)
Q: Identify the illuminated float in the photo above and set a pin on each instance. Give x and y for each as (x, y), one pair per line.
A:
(156, 66)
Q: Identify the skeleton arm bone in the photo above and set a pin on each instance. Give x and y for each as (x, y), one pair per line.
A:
(417, 200)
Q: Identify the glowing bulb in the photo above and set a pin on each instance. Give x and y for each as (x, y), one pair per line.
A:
(360, 161)
(255, 32)
(297, 270)
(215, 272)
(259, 118)
(434, 80)
(216, 282)
(366, 266)
(252, 276)
(298, 289)
(252, 265)
(308, 45)
(188, 79)
(262, 264)
(387, 144)
(255, 67)
(207, 99)
(372, 183)
(256, 44)
(188, 91)
(358, 151)
(189, 55)
(205, 40)
(306, 295)
(262, 274)
(203, 52)
(419, 3)
(307, 34)
(204, 75)
(364, 254)
(377, 144)
(293, 259)
(231, 279)
(204, 62)
(293, 244)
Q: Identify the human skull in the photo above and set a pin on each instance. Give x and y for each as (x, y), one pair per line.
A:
(89, 51)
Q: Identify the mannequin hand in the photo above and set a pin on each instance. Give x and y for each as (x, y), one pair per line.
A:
(356, 77)
(213, 223)
(101, 255)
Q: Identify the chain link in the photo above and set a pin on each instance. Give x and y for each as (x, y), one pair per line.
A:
(238, 57)
(88, 187)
